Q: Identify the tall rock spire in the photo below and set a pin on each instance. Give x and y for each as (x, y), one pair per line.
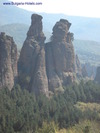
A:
(60, 56)
(32, 58)
(35, 29)
(8, 61)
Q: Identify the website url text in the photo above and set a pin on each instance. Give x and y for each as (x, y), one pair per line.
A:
(22, 3)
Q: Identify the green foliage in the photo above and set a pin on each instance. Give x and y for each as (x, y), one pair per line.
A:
(24, 81)
(83, 127)
(86, 129)
(22, 112)
(48, 128)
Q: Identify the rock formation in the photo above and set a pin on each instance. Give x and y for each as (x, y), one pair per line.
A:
(84, 72)
(91, 70)
(78, 67)
(8, 61)
(32, 58)
(60, 57)
(49, 66)
(97, 77)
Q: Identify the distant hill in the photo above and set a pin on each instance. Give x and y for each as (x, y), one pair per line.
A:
(15, 22)
(17, 31)
(88, 51)
(82, 27)
(12, 14)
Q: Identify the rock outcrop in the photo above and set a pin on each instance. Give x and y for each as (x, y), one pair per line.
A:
(78, 68)
(8, 61)
(47, 67)
(91, 70)
(97, 77)
(60, 57)
(32, 58)
(84, 72)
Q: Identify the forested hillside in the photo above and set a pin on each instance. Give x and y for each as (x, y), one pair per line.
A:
(23, 112)
(88, 51)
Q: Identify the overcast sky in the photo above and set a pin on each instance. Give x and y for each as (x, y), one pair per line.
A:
(87, 8)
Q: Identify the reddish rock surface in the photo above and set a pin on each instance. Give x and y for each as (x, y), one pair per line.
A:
(60, 57)
(50, 66)
(32, 58)
(8, 61)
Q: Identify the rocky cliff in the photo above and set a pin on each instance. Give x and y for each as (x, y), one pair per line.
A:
(97, 77)
(60, 57)
(47, 67)
(8, 61)
(32, 58)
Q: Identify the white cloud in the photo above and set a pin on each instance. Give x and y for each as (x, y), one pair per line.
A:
(89, 8)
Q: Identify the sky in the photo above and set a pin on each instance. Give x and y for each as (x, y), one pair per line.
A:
(87, 8)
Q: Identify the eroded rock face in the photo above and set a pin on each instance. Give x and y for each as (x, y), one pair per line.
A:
(32, 58)
(78, 67)
(97, 78)
(60, 31)
(35, 29)
(84, 72)
(8, 61)
(60, 57)
(50, 66)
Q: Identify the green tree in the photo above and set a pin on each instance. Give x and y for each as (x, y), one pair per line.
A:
(86, 129)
